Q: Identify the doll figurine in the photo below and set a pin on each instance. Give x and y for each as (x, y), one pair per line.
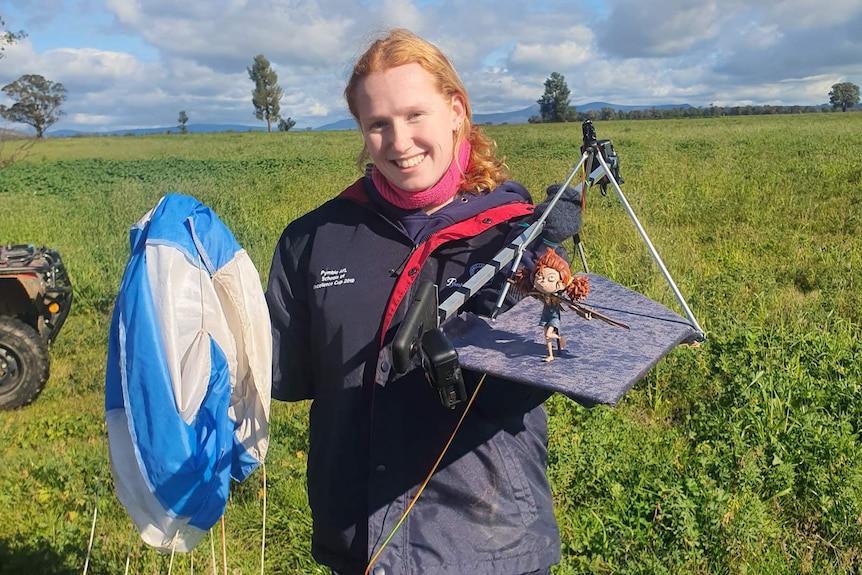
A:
(551, 282)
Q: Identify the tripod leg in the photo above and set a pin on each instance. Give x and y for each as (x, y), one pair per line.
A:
(580, 248)
(652, 249)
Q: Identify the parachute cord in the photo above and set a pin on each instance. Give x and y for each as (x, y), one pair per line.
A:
(129, 552)
(403, 517)
(263, 520)
(201, 283)
(212, 550)
(173, 552)
(92, 534)
(95, 514)
(223, 548)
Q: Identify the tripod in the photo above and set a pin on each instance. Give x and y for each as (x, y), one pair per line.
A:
(594, 151)
(594, 148)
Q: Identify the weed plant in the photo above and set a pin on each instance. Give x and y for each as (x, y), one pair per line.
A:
(740, 456)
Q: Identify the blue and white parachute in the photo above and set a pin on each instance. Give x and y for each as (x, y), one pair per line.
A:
(189, 371)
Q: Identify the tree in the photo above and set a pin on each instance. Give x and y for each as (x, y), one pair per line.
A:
(183, 120)
(37, 103)
(554, 104)
(8, 38)
(19, 149)
(607, 113)
(266, 94)
(285, 125)
(844, 95)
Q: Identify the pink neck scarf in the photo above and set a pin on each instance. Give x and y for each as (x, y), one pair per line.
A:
(439, 193)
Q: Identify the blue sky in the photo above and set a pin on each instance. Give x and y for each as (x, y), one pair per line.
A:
(137, 63)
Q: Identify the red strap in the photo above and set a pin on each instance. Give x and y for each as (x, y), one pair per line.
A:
(463, 229)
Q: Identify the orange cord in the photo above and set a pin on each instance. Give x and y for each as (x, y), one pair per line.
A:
(427, 479)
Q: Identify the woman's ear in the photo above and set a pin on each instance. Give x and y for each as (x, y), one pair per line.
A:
(459, 112)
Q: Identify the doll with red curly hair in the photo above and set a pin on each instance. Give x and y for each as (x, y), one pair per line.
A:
(551, 281)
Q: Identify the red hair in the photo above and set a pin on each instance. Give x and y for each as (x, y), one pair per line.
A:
(576, 287)
(400, 47)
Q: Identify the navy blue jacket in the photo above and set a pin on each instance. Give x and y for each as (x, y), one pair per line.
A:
(341, 279)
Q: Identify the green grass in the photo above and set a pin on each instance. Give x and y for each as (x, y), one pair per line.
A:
(741, 456)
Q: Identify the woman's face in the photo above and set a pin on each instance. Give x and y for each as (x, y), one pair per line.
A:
(408, 125)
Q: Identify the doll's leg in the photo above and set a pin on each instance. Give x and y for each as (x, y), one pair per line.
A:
(550, 336)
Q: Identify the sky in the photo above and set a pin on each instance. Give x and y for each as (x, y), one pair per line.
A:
(137, 63)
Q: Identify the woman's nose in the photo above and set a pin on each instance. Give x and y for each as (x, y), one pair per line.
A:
(402, 139)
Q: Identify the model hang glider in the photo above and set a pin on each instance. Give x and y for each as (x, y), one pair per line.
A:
(189, 373)
(601, 362)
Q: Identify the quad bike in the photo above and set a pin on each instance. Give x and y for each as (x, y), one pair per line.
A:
(35, 299)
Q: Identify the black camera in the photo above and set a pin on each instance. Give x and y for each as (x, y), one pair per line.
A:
(420, 335)
(606, 149)
(441, 364)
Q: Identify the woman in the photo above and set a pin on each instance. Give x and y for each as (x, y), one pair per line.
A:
(434, 204)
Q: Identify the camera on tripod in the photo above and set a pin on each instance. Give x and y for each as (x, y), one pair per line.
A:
(420, 335)
(606, 149)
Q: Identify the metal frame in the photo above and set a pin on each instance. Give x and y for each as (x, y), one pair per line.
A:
(515, 250)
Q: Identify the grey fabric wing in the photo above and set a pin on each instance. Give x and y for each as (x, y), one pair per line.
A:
(601, 361)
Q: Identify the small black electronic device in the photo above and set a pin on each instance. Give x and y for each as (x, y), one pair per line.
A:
(419, 335)
(606, 149)
(441, 364)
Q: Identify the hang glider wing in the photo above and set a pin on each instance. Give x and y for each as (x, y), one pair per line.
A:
(601, 362)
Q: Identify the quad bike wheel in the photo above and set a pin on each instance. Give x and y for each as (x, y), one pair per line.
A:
(24, 363)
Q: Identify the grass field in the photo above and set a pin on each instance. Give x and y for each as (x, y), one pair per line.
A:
(740, 456)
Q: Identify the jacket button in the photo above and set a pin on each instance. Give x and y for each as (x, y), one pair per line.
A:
(413, 271)
(384, 366)
(380, 468)
(486, 221)
(379, 571)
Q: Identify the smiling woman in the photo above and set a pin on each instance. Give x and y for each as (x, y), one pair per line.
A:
(408, 127)
(434, 205)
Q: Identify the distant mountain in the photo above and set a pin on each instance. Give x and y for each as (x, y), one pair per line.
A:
(7, 134)
(521, 116)
(191, 128)
(516, 117)
(348, 124)
(597, 106)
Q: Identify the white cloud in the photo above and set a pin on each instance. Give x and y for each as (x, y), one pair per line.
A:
(130, 63)
(98, 120)
(128, 12)
(318, 109)
(812, 13)
(567, 54)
